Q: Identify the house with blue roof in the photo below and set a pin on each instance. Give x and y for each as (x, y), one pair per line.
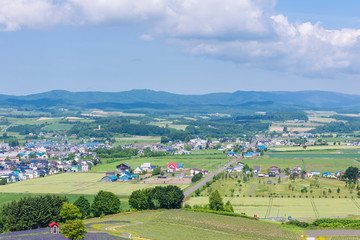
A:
(125, 176)
(109, 178)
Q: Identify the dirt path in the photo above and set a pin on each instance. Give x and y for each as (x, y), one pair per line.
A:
(252, 189)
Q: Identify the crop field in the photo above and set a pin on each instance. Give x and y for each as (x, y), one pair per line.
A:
(75, 183)
(180, 224)
(313, 155)
(284, 207)
(139, 140)
(170, 125)
(317, 148)
(209, 162)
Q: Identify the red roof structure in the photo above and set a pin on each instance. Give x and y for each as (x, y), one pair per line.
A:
(172, 166)
(52, 224)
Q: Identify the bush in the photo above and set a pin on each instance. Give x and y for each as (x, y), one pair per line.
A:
(298, 223)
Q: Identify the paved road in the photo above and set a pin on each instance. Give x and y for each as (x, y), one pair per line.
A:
(209, 177)
(252, 189)
(329, 232)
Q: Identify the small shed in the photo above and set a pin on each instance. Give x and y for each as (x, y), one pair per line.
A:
(54, 228)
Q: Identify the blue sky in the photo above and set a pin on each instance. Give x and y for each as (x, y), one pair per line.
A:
(178, 46)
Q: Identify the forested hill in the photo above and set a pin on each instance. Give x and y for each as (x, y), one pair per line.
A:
(160, 99)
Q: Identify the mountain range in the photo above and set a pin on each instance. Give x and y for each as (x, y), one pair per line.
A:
(160, 99)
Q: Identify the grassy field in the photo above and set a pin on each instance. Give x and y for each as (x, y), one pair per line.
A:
(312, 164)
(139, 140)
(203, 161)
(180, 224)
(74, 183)
(313, 155)
(311, 148)
(284, 207)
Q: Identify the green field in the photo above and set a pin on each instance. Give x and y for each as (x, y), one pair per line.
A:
(180, 224)
(313, 155)
(284, 207)
(74, 183)
(323, 164)
(209, 162)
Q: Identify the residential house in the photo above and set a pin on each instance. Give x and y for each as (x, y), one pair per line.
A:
(274, 169)
(339, 173)
(257, 169)
(125, 176)
(146, 167)
(138, 170)
(85, 167)
(123, 167)
(172, 167)
(195, 171)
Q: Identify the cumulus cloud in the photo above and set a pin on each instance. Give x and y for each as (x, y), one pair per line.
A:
(246, 32)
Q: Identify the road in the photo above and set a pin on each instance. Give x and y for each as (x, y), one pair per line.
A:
(209, 177)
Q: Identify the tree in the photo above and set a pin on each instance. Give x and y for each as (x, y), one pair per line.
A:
(69, 212)
(352, 174)
(228, 207)
(338, 190)
(196, 177)
(84, 206)
(187, 147)
(215, 201)
(197, 192)
(156, 171)
(141, 199)
(73, 163)
(3, 181)
(74, 229)
(164, 140)
(169, 197)
(32, 155)
(105, 203)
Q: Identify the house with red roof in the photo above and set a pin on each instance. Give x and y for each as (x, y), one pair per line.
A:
(172, 167)
(54, 228)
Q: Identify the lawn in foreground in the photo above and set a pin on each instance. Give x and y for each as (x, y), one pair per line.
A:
(75, 183)
(180, 224)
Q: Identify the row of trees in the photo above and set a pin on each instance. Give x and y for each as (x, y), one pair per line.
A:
(169, 197)
(39, 211)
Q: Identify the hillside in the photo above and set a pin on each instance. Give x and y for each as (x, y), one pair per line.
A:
(179, 224)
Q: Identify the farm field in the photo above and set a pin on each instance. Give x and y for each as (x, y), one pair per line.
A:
(180, 224)
(75, 183)
(139, 140)
(209, 162)
(286, 188)
(311, 164)
(284, 207)
(313, 155)
(311, 148)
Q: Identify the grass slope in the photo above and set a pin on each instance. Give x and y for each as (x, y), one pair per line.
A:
(180, 224)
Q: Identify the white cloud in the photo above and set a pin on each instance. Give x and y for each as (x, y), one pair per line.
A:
(146, 37)
(243, 31)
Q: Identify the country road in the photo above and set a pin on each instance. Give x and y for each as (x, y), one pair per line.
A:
(209, 177)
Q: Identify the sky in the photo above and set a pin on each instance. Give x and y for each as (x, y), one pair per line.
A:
(180, 46)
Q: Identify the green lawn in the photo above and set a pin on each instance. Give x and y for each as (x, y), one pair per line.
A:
(75, 183)
(180, 224)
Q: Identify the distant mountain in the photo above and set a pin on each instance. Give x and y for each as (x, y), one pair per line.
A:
(163, 100)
